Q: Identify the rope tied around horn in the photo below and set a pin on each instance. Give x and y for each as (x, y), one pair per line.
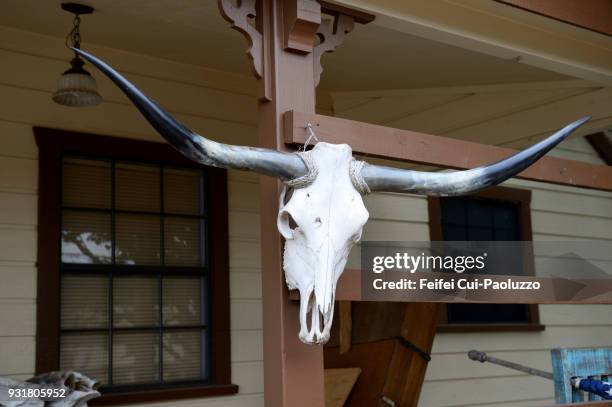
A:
(313, 171)
(357, 179)
(310, 176)
(311, 165)
(355, 168)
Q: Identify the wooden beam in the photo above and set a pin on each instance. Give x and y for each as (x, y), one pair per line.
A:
(407, 369)
(410, 146)
(335, 10)
(595, 16)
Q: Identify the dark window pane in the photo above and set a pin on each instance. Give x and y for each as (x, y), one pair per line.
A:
(138, 239)
(182, 301)
(84, 301)
(476, 234)
(86, 237)
(86, 183)
(487, 313)
(506, 234)
(182, 191)
(182, 355)
(479, 213)
(455, 233)
(135, 302)
(182, 241)
(453, 210)
(135, 357)
(505, 216)
(86, 353)
(137, 187)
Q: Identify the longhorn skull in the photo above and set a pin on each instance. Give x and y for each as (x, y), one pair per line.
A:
(326, 207)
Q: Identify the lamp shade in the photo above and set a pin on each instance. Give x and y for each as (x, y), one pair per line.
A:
(76, 87)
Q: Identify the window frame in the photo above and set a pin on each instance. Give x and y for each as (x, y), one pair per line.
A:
(521, 197)
(53, 145)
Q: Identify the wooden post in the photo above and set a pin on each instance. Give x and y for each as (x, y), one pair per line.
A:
(293, 372)
(286, 62)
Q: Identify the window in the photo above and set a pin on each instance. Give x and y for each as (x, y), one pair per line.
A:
(498, 214)
(132, 267)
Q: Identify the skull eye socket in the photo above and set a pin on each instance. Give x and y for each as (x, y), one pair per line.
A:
(286, 224)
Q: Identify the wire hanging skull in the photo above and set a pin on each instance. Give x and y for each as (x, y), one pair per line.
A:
(325, 214)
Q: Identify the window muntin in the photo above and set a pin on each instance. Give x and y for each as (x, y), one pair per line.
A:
(133, 272)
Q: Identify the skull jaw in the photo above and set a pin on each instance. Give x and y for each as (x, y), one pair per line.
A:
(314, 334)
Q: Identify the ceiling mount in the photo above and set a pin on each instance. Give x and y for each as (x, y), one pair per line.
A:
(76, 8)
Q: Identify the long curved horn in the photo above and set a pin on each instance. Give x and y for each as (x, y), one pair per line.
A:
(286, 166)
(380, 178)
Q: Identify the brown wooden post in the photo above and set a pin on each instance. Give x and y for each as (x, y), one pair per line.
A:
(293, 372)
(287, 64)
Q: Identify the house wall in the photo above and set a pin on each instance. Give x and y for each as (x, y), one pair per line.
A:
(211, 102)
(223, 105)
(557, 213)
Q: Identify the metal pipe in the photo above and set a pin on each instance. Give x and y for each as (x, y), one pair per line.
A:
(483, 357)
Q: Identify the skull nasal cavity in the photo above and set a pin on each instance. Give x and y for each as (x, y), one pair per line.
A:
(318, 222)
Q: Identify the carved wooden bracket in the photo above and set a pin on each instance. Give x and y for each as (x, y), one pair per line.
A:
(332, 34)
(239, 16)
(301, 19)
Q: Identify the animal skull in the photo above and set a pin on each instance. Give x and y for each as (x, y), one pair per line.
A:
(328, 217)
(328, 211)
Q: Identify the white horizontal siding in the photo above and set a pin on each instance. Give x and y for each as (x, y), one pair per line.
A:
(211, 102)
(558, 213)
(513, 119)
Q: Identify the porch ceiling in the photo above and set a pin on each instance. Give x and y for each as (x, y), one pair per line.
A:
(192, 31)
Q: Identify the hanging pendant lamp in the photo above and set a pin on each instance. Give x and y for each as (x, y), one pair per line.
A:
(76, 87)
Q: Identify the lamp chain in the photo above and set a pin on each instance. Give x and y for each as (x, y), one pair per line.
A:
(73, 39)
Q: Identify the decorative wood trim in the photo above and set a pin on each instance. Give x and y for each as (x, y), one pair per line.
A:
(239, 16)
(49, 244)
(52, 145)
(302, 19)
(219, 283)
(332, 34)
(445, 152)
